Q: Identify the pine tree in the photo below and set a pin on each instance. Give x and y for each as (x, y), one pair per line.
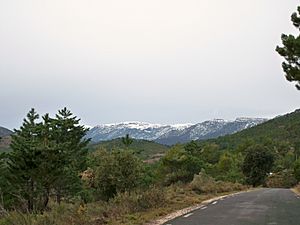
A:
(127, 141)
(291, 52)
(6, 200)
(68, 135)
(47, 157)
(24, 161)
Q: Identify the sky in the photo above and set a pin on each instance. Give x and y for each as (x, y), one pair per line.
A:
(159, 61)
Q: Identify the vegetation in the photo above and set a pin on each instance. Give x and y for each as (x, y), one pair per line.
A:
(5, 143)
(291, 52)
(146, 150)
(257, 164)
(138, 207)
(127, 141)
(179, 165)
(50, 177)
(283, 179)
(49, 170)
(45, 160)
(283, 131)
(202, 183)
(115, 172)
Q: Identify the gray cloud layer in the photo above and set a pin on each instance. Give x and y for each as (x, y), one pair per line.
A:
(164, 61)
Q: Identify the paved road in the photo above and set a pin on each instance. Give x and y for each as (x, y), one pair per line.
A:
(260, 207)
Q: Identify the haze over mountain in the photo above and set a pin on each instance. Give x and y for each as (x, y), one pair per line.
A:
(171, 134)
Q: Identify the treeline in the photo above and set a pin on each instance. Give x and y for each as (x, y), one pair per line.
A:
(50, 165)
(50, 162)
(276, 141)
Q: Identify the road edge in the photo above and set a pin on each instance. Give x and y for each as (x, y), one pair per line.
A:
(295, 191)
(187, 210)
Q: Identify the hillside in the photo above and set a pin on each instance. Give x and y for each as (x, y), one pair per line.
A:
(5, 138)
(146, 150)
(5, 132)
(282, 129)
(4, 143)
(171, 134)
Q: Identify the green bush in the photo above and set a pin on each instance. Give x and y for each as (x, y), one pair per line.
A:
(178, 165)
(116, 172)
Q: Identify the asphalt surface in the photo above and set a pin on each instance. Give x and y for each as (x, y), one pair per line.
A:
(259, 207)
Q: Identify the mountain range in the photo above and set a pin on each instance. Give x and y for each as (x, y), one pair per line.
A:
(171, 134)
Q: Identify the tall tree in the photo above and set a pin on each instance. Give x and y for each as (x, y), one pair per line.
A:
(69, 138)
(24, 161)
(291, 52)
(47, 157)
(127, 141)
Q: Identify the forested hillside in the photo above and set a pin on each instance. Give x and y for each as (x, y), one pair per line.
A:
(282, 130)
(142, 148)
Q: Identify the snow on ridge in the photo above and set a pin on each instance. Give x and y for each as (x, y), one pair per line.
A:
(144, 125)
(168, 133)
(182, 126)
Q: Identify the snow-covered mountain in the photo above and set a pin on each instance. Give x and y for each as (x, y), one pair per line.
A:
(171, 134)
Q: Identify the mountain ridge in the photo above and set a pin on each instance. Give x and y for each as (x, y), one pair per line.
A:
(5, 132)
(173, 133)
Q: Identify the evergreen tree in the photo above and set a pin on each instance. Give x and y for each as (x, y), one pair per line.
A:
(46, 157)
(68, 136)
(291, 52)
(192, 147)
(127, 141)
(6, 189)
(24, 161)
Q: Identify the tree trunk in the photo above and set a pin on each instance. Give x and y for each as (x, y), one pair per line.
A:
(58, 197)
(30, 204)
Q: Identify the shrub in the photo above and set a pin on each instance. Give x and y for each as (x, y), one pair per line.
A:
(115, 172)
(257, 164)
(138, 201)
(203, 183)
(178, 165)
(283, 179)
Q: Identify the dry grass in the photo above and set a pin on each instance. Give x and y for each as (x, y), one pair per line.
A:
(296, 189)
(202, 183)
(281, 180)
(134, 208)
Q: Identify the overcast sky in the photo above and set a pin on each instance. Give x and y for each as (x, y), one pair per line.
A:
(160, 61)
